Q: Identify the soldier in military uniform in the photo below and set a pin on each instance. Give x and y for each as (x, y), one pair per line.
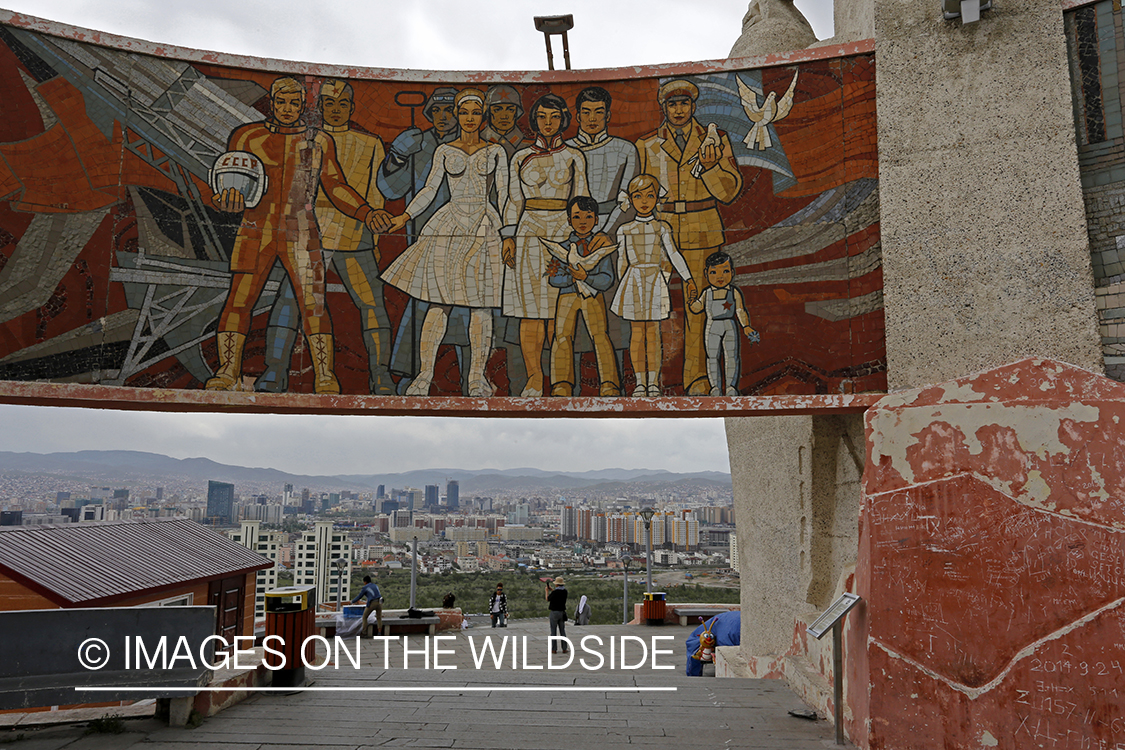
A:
(503, 107)
(697, 178)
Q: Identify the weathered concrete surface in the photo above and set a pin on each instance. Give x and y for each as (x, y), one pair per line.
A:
(853, 20)
(771, 26)
(992, 564)
(982, 222)
(796, 494)
(489, 709)
(174, 399)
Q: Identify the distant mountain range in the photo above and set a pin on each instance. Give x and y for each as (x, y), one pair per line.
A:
(131, 466)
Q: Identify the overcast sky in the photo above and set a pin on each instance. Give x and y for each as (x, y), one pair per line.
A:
(421, 34)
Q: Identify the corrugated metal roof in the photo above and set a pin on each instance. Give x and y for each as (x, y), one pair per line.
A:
(85, 562)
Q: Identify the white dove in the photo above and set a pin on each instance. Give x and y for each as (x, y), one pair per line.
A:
(711, 139)
(772, 110)
(572, 258)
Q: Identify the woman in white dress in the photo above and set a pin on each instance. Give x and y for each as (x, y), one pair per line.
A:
(543, 178)
(457, 258)
(645, 258)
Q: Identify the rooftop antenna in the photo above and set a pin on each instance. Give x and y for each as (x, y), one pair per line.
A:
(555, 25)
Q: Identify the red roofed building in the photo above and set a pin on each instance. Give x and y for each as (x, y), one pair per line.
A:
(152, 562)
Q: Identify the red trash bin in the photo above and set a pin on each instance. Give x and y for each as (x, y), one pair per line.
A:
(291, 614)
(654, 607)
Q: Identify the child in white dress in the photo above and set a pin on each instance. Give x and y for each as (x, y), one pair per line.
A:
(645, 256)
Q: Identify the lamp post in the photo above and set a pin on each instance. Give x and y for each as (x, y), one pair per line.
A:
(647, 514)
(340, 564)
(413, 571)
(555, 25)
(625, 600)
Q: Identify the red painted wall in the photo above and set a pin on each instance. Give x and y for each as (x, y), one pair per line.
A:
(992, 565)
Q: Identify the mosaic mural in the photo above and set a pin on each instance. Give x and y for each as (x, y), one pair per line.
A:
(191, 225)
(1096, 47)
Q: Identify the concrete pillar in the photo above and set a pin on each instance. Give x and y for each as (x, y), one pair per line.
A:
(985, 251)
(852, 21)
(796, 496)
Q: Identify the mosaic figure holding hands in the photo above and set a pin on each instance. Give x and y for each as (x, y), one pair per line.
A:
(646, 254)
(543, 178)
(457, 258)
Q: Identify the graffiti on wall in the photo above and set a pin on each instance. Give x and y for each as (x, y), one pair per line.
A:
(190, 225)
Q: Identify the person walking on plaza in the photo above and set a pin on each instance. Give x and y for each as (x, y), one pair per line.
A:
(374, 603)
(556, 603)
(582, 613)
(498, 607)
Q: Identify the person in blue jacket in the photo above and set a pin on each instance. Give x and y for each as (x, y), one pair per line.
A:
(370, 591)
(587, 298)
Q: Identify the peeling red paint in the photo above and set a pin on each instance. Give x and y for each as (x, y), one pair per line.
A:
(992, 565)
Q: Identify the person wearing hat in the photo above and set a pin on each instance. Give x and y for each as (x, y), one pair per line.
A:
(352, 252)
(556, 604)
(504, 109)
(698, 177)
(403, 173)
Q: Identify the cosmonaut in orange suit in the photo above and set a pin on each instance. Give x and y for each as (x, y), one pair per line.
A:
(282, 227)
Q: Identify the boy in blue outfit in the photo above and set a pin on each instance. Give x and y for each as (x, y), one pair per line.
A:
(726, 317)
(587, 297)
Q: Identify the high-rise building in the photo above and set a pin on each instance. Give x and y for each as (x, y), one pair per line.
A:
(622, 528)
(159, 493)
(432, 495)
(568, 522)
(684, 531)
(307, 506)
(62, 497)
(381, 492)
(585, 523)
(267, 544)
(263, 513)
(453, 494)
(220, 502)
(735, 562)
(317, 551)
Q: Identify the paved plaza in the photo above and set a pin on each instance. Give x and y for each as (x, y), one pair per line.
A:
(466, 707)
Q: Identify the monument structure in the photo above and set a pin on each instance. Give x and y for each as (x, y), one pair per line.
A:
(998, 148)
(899, 249)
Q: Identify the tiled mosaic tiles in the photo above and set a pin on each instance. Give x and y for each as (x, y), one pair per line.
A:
(1096, 45)
(400, 240)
